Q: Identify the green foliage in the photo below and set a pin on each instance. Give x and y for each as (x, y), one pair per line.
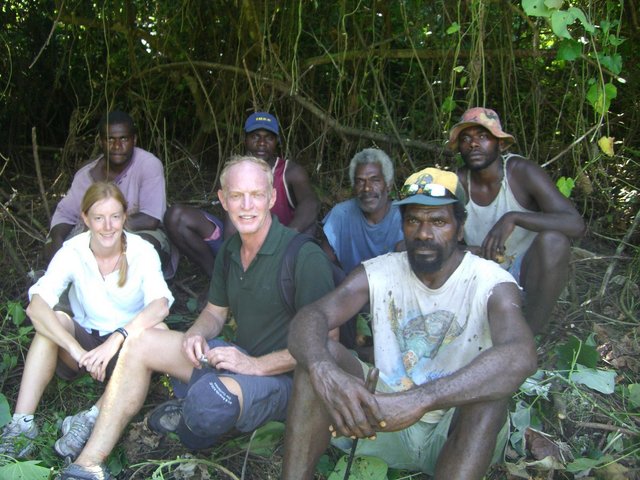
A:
(26, 470)
(363, 325)
(453, 28)
(585, 464)
(600, 97)
(565, 185)
(362, 468)
(5, 412)
(602, 381)
(634, 395)
(536, 8)
(575, 351)
(16, 313)
(569, 50)
(265, 439)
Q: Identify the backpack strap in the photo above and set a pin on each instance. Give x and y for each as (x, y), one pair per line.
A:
(286, 277)
(226, 265)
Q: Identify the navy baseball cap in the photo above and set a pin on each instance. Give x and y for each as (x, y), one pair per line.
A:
(209, 410)
(262, 120)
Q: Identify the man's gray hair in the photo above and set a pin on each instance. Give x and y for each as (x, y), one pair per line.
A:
(372, 155)
(237, 159)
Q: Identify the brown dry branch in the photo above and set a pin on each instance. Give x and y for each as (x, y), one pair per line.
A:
(607, 427)
(36, 159)
(621, 246)
(306, 103)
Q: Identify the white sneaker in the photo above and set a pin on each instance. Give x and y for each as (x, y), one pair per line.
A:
(17, 437)
(76, 430)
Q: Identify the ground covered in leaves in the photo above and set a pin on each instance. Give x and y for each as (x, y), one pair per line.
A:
(578, 417)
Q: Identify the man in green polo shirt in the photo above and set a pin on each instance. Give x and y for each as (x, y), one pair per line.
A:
(241, 385)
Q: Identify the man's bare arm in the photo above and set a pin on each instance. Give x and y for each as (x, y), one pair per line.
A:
(308, 330)
(344, 396)
(57, 236)
(534, 190)
(232, 359)
(208, 325)
(556, 211)
(307, 204)
(141, 221)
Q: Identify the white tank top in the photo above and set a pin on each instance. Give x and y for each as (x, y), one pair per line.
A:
(480, 219)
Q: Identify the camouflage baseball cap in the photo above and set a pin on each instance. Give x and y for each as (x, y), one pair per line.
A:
(484, 117)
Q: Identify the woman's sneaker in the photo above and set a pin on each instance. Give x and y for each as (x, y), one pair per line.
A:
(78, 472)
(76, 430)
(17, 437)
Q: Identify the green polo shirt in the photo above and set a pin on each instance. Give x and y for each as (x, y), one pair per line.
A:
(254, 297)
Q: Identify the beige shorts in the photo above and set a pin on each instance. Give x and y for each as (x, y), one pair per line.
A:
(417, 447)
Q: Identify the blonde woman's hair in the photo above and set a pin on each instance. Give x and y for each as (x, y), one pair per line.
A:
(101, 191)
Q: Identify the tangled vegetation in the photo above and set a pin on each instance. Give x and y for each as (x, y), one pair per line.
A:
(341, 76)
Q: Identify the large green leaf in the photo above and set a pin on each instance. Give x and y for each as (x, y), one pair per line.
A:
(599, 98)
(569, 50)
(559, 21)
(24, 471)
(613, 63)
(582, 18)
(581, 464)
(574, 350)
(520, 420)
(557, 4)
(536, 8)
(603, 381)
(362, 468)
(265, 439)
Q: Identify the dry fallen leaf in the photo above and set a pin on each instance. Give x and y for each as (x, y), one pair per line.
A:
(606, 145)
(542, 446)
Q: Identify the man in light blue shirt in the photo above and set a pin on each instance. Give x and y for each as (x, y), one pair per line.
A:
(367, 225)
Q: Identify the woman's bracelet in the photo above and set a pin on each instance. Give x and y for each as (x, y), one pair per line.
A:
(122, 332)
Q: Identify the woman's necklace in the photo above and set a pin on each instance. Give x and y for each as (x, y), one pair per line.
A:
(101, 269)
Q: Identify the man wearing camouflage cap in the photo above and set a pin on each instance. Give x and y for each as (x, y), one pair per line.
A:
(516, 215)
(450, 342)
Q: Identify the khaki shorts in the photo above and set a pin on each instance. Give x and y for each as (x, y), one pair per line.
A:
(88, 341)
(417, 447)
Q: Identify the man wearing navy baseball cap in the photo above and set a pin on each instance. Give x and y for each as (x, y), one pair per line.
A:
(296, 205)
(262, 121)
(450, 343)
(199, 234)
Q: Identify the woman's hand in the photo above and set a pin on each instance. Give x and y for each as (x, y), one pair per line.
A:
(95, 361)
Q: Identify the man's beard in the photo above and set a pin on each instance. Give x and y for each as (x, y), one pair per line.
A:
(368, 208)
(418, 263)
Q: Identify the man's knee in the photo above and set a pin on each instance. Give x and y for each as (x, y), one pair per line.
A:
(138, 347)
(174, 217)
(480, 420)
(551, 248)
